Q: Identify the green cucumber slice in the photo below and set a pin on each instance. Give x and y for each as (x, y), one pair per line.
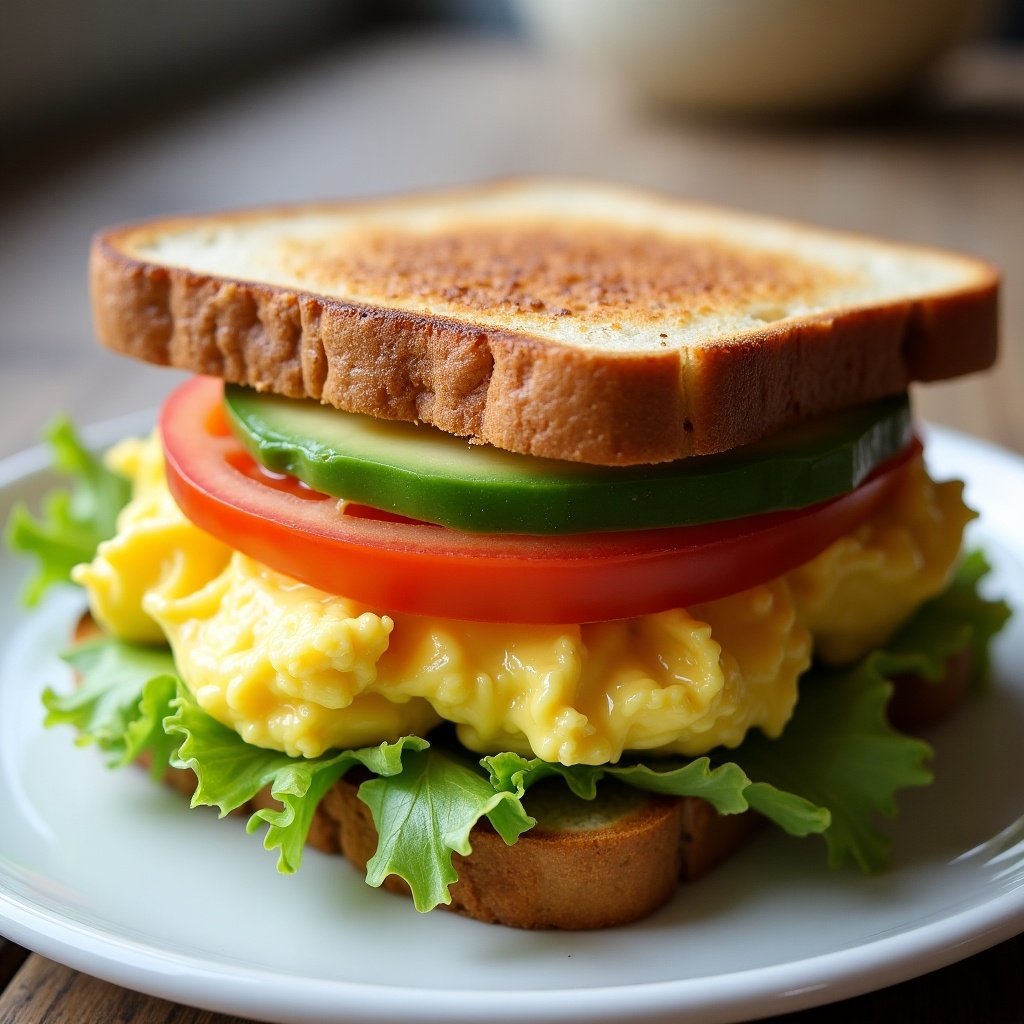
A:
(423, 473)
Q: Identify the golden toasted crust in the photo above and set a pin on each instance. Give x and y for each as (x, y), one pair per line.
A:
(615, 328)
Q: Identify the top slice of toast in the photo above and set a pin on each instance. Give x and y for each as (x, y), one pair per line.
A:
(560, 318)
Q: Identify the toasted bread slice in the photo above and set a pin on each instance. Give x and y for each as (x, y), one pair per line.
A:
(585, 864)
(565, 319)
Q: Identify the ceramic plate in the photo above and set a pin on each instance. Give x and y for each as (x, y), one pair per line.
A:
(114, 876)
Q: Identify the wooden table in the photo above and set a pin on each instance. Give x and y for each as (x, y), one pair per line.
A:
(422, 111)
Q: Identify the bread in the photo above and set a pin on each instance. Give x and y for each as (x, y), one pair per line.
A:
(582, 866)
(565, 319)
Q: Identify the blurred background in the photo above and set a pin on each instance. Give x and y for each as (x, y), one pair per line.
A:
(905, 119)
(898, 117)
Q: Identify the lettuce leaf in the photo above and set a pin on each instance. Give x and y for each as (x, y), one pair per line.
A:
(124, 696)
(839, 750)
(726, 787)
(426, 813)
(959, 618)
(834, 771)
(841, 753)
(424, 801)
(73, 522)
(231, 772)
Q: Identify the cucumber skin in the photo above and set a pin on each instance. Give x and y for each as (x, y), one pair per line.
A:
(503, 492)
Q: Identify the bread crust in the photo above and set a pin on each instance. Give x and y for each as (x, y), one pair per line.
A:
(524, 392)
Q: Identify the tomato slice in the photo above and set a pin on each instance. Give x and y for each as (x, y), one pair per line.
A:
(423, 569)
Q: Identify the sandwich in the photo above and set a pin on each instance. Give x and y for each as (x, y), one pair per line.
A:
(531, 544)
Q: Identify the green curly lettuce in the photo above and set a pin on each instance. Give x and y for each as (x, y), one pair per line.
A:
(425, 814)
(424, 801)
(835, 771)
(839, 749)
(122, 701)
(959, 619)
(726, 786)
(72, 522)
(230, 772)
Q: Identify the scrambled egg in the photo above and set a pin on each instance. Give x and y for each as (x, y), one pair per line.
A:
(853, 595)
(296, 669)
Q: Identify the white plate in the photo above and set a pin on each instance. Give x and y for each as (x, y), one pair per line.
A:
(113, 876)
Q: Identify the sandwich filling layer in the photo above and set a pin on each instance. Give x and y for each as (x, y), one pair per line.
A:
(292, 668)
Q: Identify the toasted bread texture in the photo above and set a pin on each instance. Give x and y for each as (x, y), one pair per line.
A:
(559, 318)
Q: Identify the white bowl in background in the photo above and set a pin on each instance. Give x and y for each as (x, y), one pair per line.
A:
(757, 56)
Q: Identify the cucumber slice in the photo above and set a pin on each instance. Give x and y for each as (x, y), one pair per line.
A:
(423, 473)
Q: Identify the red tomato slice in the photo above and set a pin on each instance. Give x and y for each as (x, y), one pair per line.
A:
(403, 566)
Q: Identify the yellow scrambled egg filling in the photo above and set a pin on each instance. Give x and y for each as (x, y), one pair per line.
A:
(296, 669)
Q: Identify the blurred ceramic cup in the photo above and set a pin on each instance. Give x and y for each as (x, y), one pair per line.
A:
(757, 57)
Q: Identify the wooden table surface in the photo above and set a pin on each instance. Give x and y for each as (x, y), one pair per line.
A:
(413, 112)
